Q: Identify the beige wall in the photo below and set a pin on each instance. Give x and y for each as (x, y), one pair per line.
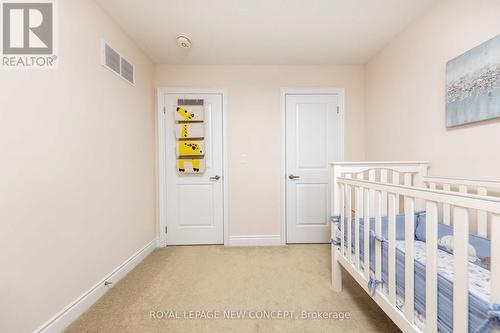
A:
(77, 170)
(405, 93)
(255, 124)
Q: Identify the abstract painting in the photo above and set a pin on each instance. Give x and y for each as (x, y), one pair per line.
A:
(473, 85)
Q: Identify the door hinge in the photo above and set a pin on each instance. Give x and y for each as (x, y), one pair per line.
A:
(166, 229)
(164, 110)
(338, 109)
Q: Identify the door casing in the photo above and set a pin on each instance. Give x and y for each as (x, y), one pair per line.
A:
(340, 92)
(161, 143)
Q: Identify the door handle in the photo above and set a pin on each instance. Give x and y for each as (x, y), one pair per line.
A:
(292, 177)
(216, 177)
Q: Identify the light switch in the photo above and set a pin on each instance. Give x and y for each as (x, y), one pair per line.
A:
(243, 158)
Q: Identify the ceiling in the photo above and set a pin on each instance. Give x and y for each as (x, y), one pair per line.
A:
(264, 32)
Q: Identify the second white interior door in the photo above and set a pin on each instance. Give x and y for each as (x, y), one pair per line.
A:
(312, 141)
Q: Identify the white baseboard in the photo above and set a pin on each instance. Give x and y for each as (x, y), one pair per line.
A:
(159, 243)
(64, 318)
(257, 240)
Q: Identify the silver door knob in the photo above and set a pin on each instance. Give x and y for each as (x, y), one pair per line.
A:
(292, 177)
(216, 177)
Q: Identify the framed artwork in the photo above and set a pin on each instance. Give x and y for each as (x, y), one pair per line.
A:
(473, 85)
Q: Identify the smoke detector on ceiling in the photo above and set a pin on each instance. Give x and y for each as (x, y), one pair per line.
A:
(183, 42)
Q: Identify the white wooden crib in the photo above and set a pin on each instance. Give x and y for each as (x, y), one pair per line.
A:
(385, 189)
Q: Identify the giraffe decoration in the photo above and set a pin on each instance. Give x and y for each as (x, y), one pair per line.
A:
(184, 130)
(185, 114)
(190, 125)
(196, 165)
(189, 113)
(189, 131)
(191, 149)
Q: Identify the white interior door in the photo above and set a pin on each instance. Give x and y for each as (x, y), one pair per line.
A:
(312, 140)
(195, 203)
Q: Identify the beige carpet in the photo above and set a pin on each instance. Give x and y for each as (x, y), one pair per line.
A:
(251, 280)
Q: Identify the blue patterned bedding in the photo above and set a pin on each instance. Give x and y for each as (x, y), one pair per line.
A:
(479, 283)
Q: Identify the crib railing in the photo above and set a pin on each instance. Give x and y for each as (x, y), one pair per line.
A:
(367, 198)
(410, 173)
(479, 187)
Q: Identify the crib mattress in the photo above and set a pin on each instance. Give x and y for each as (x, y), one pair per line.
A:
(479, 284)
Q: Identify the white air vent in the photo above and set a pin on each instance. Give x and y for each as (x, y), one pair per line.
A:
(113, 61)
(127, 71)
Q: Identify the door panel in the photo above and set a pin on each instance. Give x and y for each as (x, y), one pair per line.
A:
(311, 204)
(195, 205)
(311, 133)
(311, 143)
(195, 202)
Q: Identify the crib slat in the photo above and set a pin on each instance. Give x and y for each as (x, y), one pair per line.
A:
(383, 179)
(432, 186)
(462, 189)
(482, 216)
(366, 231)
(409, 264)
(495, 261)
(395, 181)
(342, 219)
(431, 267)
(391, 214)
(357, 204)
(372, 177)
(348, 213)
(408, 179)
(378, 231)
(360, 177)
(359, 214)
(460, 269)
(446, 207)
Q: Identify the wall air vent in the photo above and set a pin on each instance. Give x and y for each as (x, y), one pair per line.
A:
(116, 63)
(127, 71)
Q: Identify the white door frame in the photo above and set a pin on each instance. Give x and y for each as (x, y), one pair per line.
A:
(304, 91)
(161, 141)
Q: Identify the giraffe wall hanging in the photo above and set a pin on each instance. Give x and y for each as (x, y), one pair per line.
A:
(190, 134)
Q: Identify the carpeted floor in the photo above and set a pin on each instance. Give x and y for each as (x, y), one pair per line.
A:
(256, 281)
